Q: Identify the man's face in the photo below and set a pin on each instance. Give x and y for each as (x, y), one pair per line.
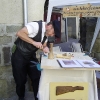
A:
(49, 30)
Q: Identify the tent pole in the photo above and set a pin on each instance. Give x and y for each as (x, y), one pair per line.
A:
(66, 30)
(49, 13)
(25, 12)
(77, 27)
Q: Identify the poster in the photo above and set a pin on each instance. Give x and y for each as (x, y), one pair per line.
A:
(75, 95)
(68, 63)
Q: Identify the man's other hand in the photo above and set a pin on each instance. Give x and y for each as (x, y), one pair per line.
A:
(46, 50)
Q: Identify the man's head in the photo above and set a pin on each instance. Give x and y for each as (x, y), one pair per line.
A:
(53, 29)
(50, 29)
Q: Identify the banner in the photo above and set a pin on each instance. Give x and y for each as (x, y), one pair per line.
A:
(81, 11)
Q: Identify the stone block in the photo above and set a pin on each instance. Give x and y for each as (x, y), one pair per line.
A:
(5, 39)
(6, 55)
(3, 89)
(2, 29)
(13, 28)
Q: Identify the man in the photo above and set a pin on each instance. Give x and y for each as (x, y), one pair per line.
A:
(30, 38)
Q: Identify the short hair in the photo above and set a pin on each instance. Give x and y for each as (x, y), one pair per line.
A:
(50, 23)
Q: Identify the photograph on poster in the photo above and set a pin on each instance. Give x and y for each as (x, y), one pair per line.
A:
(68, 63)
(88, 63)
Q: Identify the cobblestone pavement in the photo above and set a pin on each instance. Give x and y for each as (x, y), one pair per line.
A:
(28, 96)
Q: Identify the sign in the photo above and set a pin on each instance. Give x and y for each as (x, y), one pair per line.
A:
(81, 11)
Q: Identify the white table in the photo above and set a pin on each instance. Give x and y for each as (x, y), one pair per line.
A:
(52, 72)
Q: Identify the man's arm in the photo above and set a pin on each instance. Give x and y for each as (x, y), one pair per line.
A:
(23, 34)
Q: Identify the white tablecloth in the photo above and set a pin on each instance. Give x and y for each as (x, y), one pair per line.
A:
(52, 72)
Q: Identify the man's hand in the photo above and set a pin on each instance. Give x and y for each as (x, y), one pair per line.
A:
(46, 50)
(38, 45)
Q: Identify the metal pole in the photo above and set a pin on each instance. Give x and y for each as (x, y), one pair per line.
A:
(77, 27)
(25, 12)
(66, 30)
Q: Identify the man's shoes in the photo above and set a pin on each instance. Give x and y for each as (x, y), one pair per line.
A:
(21, 98)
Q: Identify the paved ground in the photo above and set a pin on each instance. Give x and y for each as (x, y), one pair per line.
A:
(28, 96)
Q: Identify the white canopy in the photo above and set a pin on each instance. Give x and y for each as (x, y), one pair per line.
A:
(55, 3)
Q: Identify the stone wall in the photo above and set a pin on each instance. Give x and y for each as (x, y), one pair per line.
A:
(7, 38)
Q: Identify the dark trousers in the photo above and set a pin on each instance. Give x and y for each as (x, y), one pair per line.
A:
(21, 67)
